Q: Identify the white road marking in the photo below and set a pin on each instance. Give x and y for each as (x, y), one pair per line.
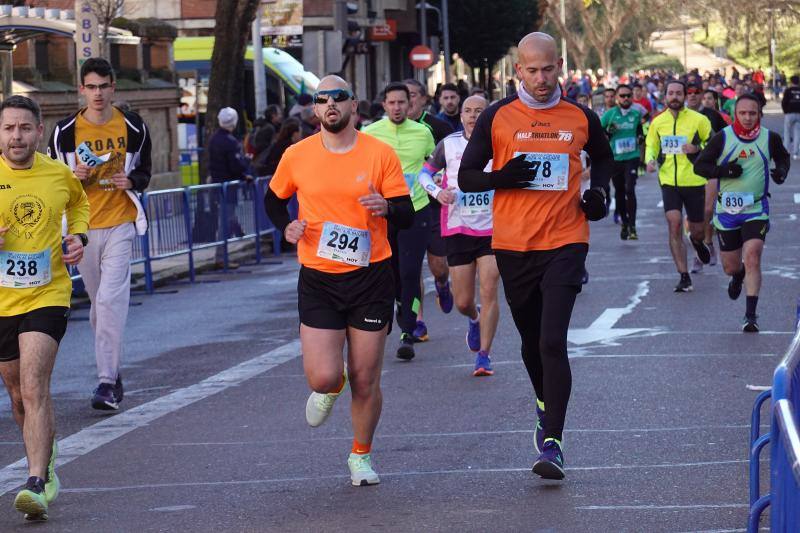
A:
(758, 387)
(661, 507)
(173, 508)
(792, 217)
(797, 197)
(602, 329)
(92, 437)
(660, 203)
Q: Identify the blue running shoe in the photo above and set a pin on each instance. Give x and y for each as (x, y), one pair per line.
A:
(550, 463)
(104, 399)
(420, 333)
(474, 333)
(483, 364)
(538, 430)
(444, 297)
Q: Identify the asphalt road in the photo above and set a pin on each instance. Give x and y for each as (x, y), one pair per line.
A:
(213, 437)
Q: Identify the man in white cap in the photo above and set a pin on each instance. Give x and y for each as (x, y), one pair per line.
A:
(226, 162)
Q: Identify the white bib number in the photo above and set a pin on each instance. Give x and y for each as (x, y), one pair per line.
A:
(550, 171)
(672, 144)
(20, 270)
(475, 203)
(736, 202)
(411, 179)
(625, 146)
(344, 244)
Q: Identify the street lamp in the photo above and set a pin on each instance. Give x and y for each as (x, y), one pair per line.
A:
(444, 28)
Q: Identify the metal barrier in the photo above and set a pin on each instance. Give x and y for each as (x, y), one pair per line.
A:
(182, 221)
(784, 441)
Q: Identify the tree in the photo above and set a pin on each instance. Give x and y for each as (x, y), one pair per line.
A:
(105, 11)
(481, 32)
(233, 19)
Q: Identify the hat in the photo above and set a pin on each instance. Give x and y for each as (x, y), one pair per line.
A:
(227, 117)
(304, 99)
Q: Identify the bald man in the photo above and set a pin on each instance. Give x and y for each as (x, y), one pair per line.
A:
(349, 185)
(541, 234)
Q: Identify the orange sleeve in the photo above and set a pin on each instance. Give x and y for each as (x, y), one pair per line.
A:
(282, 183)
(392, 184)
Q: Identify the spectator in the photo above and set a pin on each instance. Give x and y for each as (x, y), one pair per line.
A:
(791, 121)
(274, 116)
(288, 135)
(309, 123)
(303, 102)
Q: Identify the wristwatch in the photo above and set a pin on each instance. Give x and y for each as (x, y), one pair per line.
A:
(83, 237)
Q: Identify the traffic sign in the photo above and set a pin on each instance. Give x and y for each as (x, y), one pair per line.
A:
(421, 56)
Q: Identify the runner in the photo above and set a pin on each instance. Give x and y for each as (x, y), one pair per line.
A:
(348, 185)
(437, 253)
(737, 161)
(109, 151)
(450, 102)
(467, 229)
(674, 139)
(540, 234)
(623, 124)
(640, 97)
(35, 288)
(413, 143)
(790, 104)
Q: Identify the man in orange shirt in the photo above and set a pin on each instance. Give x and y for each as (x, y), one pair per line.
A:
(541, 235)
(348, 185)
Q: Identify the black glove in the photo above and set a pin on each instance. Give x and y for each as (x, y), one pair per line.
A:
(728, 170)
(515, 174)
(593, 203)
(778, 175)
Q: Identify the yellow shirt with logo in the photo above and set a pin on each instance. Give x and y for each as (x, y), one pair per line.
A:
(32, 202)
(110, 206)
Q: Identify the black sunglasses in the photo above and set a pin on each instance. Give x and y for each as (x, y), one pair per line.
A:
(626, 95)
(338, 95)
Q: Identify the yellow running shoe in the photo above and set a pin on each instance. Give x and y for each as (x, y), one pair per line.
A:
(51, 483)
(31, 500)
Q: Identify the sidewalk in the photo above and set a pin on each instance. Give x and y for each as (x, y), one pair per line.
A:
(698, 56)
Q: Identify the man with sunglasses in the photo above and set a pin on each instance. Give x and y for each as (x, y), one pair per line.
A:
(413, 143)
(623, 124)
(109, 151)
(349, 187)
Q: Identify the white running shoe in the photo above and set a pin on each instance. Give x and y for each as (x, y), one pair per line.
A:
(713, 261)
(361, 472)
(697, 266)
(319, 406)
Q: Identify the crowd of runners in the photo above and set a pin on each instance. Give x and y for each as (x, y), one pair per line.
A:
(484, 191)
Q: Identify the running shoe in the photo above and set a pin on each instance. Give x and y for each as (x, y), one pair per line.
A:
(538, 430)
(623, 232)
(616, 217)
(585, 277)
(361, 472)
(406, 349)
(632, 235)
(483, 364)
(51, 483)
(444, 297)
(31, 500)
(701, 248)
(103, 398)
(550, 463)
(420, 333)
(735, 287)
(697, 266)
(750, 325)
(713, 250)
(685, 284)
(320, 405)
(119, 390)
(474, 333)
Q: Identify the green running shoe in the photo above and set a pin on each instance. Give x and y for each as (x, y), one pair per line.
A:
(31, 500)
(361, 472)
(51, 483)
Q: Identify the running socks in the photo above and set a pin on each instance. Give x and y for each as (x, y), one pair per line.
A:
(361, 449)
(341, 387)
(752, 302)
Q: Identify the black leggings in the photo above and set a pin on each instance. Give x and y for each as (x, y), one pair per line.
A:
(541, 288)
(624, 179)
(408, 251)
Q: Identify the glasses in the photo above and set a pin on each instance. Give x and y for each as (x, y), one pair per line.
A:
(338, 96)
(626, 95)
(92, 87)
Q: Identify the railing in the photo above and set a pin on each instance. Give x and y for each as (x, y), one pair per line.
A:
(784, 441)
(185, 220)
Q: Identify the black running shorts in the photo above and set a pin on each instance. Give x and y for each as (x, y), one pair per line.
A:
(734, 239)
(466, 249)
(362, 299)
(690, 198)
(51, 321)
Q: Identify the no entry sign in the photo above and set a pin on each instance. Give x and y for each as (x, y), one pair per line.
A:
(421, 56)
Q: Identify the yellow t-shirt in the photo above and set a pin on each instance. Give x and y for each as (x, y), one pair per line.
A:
(32, 201)
(110, 206)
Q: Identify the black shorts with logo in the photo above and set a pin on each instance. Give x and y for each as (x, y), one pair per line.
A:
(51, 321)
(691, 198)
(733, 239)
(466, 249)
(436, 244)
(362, 299)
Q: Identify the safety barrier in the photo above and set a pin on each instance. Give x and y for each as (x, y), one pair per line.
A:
(184, 220)
(784, 442)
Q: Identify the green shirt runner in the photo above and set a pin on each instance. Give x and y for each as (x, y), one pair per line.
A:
(624, 128)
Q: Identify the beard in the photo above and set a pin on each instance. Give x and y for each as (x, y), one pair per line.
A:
(17, 158)
(675, 104)
(338, 125)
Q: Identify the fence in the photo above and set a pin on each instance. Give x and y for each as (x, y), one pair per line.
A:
(185, 220)
(784, 443)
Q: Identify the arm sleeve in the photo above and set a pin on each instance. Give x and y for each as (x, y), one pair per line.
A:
(277, 210)
(599, 151)
(778, 153)
(140, 175)
(401, 211)
(471, 177)
(432, 166)
(705, 164)
(77, 209)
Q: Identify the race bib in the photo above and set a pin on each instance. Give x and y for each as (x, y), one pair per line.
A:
(411, 179)
(475, 203)
(625, 146)
(20, 270)
(550, 171)
(671, 144)
(735, 202)
(88, 158)
(344, 244)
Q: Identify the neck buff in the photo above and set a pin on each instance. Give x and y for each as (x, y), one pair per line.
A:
(745, 134)
(531, 102)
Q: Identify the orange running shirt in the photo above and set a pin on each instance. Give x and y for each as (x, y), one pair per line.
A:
(328, 186)
(550, 217)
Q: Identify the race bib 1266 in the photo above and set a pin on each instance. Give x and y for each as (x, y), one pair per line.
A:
(344, 244)
(19, 270)
(550, 171)
(475, 203)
